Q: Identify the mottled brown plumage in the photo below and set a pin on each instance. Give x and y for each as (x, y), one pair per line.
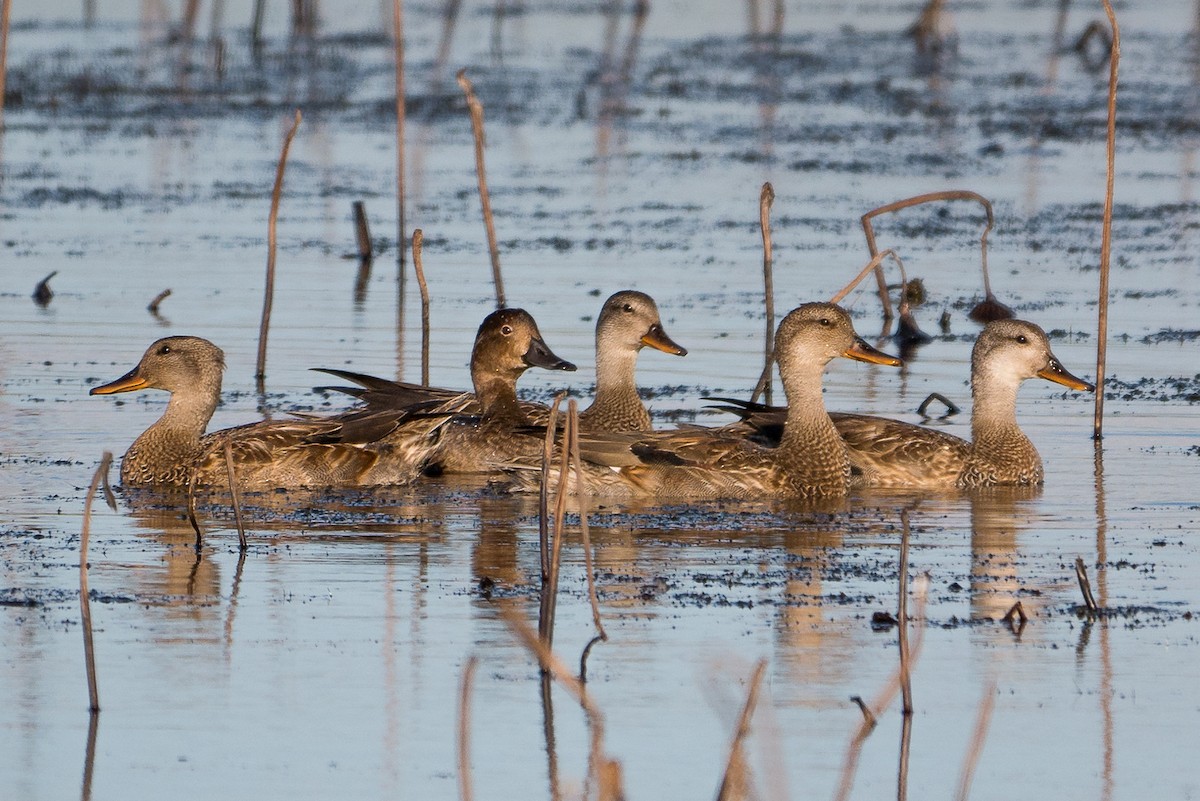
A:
(266, 455)
(809, 462)
(891, 453)
(480, 427)
(628, 321)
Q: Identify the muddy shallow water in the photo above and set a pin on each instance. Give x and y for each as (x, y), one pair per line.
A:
(327, 662)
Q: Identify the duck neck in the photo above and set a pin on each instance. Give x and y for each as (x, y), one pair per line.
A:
(164, 451)
(616, 388)
(497, 395)
(809, 437)
(996, 439)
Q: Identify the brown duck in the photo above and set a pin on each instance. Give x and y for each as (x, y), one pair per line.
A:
(480, 428)
(891, 453)
(175, 451)
(628, 321)
(810, 460)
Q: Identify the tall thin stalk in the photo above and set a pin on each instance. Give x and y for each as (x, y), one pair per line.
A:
(734, 781)
(982, 718)
(902, 617)
(235, 494)
(885, 696)
(476, 109)
(549, 602)
(765, 199)
(85, 606)
(260, 371)
(465, 790)
(585, 535)
(1114, 62)
(5, 13)
(398, 46)
(418, 240)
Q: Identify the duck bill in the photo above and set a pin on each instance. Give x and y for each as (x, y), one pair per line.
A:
(540, 355)
(657, 338)
(1057, 373)
(129, 382)
(863, 352)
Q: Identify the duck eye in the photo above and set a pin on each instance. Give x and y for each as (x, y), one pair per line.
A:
(628, 308)
(1021, 338)
(164, 350)
(825, 322)
(506, 330)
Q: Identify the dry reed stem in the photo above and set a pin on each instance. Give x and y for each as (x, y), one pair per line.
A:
(982, 718)
(606, 770)
(544, 489)
(1085, 587)
(269, 291)
(362, 231)
(873, 264)
(549, 602)
(191, 510)
(906, 722)
(734, 782)
(465, 791)
(418, 240)
(235, 493)
(85, 606)
(5, 14)
(885, 696)
(89, 755)
(764, 378)
(765, 199)
(902, 617)
(476, 109)
(1114, 62)
(401, 99)
(158, 299)
(949, 194)
(581, 498)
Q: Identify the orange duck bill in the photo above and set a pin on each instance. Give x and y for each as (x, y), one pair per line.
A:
(1054, 371)
(129, 382)
(657, 338)
(863, 352)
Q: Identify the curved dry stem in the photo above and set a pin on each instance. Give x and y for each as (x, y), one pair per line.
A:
(874, 264)
(85, 606)
(418, 240)
(476, 109)
(733, 782)
(260, 370)
(982, 718)
(465, 791)
(930, 197)
(606, 769)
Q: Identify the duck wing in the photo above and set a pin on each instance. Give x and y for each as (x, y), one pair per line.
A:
(892, 453)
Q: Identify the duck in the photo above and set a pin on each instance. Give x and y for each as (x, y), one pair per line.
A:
(889, 453)
(810, 461)
(629, 321)
(175, 451)
(480, 427)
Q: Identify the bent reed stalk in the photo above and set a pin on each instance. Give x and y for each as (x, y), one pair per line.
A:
(260, 371)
